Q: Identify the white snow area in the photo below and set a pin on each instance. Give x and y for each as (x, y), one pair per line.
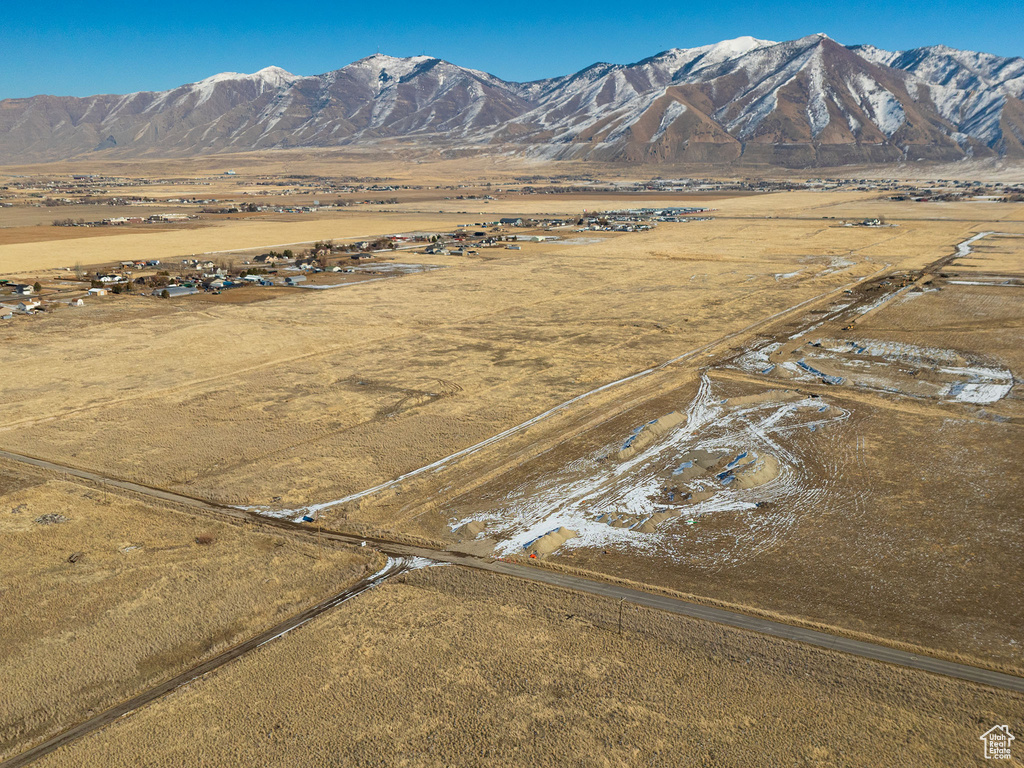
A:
(266, 79)
(817, 104)
(269, 78)
(712, 55)
(982, 393)
(964, 249)
(968, 88)
(976, 112)
(624, 92)
(385, 69)
(783, 62)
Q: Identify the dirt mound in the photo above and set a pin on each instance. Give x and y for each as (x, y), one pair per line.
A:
(758, 472)
(695, 463)
(550, 541)
(650, 526)
(698, 496)
(472, 529)
(771, 396)
(648, 433)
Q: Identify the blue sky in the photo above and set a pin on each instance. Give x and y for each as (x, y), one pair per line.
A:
(73, 48)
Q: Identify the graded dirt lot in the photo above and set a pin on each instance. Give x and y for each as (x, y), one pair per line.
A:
(452, 668)
(151, 591)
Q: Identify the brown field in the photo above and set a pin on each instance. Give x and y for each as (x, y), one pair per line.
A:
(153, 591)
(802, 424)
(452, 668)
(896, 516)
(229, 235)
(1000, 254)
(50, 234)
(320, 394)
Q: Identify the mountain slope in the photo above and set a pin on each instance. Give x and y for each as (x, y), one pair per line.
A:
(805, 102)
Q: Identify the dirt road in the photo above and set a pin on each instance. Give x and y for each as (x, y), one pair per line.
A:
(393, 568)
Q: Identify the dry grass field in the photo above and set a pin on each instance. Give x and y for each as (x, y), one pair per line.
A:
(800, 424)
(894, 507)
(319, 394)
(452, 668)
(171, 244)
(152, 591)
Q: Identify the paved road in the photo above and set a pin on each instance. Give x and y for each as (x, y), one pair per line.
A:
(393, 568)
(764, 626)
(654, 601)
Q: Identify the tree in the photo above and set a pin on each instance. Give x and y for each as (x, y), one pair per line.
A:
(37, 287)
(165, 294)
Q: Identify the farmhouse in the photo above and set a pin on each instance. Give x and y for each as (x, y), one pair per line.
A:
(97, 291)
(511, 222)
(21, 290)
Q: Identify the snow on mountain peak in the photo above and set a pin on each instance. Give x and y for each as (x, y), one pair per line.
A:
(651, 108)
(701, 57)
(394, 66)
(815, 39)
(738, 46)
(269, 75)
(266, 79)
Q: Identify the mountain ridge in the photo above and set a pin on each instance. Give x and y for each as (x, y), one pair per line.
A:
(799, 103)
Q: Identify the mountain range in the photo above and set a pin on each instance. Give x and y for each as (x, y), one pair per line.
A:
(802, 103)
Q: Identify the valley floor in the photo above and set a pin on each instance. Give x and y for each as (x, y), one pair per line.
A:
(768, 410)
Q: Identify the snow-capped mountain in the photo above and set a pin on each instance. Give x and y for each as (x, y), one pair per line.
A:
(805, 102)
(978, 92)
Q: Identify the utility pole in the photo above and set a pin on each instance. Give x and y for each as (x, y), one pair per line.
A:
(319, 545)
(621, 600)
